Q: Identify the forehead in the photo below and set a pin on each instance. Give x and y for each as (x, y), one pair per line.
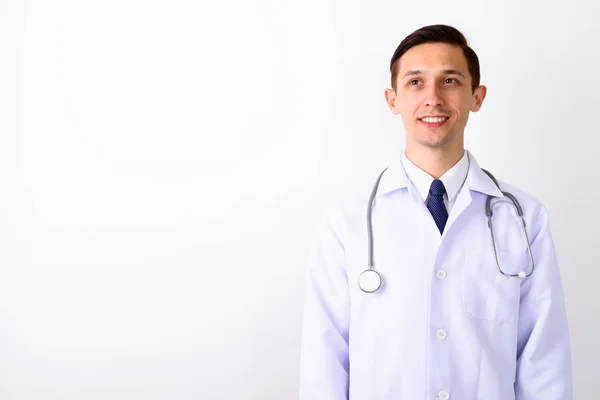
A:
(433, 57)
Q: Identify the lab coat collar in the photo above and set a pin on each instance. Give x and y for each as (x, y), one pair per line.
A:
(395, 178)
(479, 181)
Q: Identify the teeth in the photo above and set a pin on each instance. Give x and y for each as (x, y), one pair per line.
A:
(434, 120)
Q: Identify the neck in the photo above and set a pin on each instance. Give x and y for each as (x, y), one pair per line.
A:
(435, 161)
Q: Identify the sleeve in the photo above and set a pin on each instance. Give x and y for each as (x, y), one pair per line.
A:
(324, 368)
(543, 347)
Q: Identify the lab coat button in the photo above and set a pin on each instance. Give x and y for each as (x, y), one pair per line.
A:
(443, 395)
(441, 274)
(441, 334)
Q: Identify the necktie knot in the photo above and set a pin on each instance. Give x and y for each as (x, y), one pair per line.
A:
(437, 188)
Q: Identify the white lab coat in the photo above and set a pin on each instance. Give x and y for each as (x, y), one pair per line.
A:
(445, 324)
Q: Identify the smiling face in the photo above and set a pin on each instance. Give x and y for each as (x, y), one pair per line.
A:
(434, 96)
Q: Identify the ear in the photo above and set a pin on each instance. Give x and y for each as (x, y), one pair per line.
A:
(478, 97)
(390, 99)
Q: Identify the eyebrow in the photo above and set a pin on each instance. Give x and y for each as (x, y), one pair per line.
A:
(445, 72)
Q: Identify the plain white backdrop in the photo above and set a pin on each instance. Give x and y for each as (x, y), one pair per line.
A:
(163, 166)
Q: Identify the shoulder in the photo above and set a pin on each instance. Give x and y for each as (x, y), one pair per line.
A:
(528, 201)
(535, 213)
(349, 206)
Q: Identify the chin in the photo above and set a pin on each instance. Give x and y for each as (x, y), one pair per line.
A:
(436, 141)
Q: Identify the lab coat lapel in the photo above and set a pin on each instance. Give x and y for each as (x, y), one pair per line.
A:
(462, 202)
(478, 181)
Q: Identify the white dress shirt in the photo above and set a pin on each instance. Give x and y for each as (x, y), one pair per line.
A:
(453, 179)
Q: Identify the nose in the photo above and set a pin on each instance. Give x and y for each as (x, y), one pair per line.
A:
(433, 96)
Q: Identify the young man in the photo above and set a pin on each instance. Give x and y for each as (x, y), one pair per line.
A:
(441, 319)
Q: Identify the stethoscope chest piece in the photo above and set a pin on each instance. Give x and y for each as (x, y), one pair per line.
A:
(369, 281)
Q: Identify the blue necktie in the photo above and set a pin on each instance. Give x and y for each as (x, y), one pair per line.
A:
(435, 204)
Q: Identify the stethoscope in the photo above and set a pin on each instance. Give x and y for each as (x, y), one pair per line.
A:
(370, 280)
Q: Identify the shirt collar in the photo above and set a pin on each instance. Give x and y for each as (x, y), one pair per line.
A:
(396, 177)
(453, 179)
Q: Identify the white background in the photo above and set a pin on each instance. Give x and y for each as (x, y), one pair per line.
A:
(163, 166)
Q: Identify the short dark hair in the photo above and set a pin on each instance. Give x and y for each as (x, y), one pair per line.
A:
(437, 34)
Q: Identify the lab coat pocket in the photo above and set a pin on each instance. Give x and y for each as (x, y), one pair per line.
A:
(487, 294)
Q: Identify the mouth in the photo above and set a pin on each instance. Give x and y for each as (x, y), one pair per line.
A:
(433, 122)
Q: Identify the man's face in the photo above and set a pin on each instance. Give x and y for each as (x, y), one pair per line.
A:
(434, 95)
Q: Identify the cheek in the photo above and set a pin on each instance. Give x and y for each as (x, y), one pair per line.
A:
(466, 109)
(408, 116)
(459, 105)
(409, 107)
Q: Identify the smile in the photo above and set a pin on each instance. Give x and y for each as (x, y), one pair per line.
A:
(433, 122)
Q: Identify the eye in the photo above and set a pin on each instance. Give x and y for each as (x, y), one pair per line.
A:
(413, 82)
(450, 80)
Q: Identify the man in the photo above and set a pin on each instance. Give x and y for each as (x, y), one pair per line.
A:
(445, 323)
